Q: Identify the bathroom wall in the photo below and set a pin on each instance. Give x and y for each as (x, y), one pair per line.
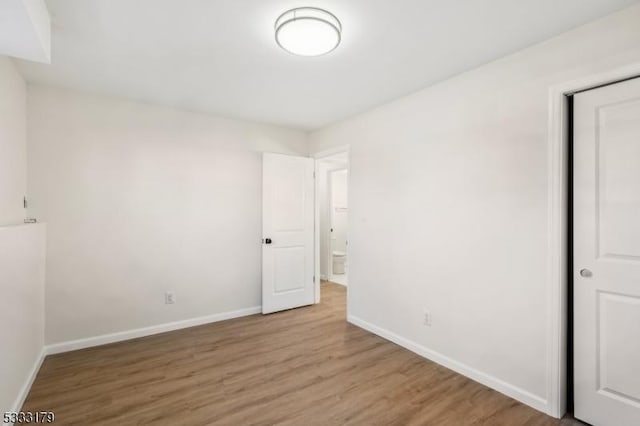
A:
(339, 212)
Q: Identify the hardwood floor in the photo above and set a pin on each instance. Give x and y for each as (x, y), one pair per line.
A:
(306, 366)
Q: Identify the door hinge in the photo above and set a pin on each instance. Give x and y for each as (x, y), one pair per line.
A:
(24, 202)
(314, 278)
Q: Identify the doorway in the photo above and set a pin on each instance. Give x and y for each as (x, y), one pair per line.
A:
(335, 226)
(332, 213)
(558, 393)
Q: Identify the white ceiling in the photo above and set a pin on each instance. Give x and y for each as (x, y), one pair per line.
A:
(219, 56)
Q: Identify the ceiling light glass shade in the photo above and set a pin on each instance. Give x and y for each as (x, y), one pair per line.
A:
(308, 31)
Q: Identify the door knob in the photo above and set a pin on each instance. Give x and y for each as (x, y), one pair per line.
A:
(586, 273)
(267, 241)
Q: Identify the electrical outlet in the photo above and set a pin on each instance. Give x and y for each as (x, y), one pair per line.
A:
(169, 298)
(426, 320)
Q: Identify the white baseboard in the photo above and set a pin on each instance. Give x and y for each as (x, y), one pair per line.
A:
(104, 339)
(26, 387)
(510, 390)
(120, 336)
(323, 277)
(501, 386)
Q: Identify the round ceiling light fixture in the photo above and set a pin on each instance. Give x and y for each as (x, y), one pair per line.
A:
(308, 31)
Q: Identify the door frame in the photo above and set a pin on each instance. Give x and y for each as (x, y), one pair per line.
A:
(319, 155)
(558, 227)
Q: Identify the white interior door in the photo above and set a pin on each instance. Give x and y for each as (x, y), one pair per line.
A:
(607, 255)
(288, 229)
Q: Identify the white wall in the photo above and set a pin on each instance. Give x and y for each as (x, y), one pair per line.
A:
(21, 251)
(13, 143)
(22, 260)
(449, 208)
(339, 188)
(339, 217)
(139, 200)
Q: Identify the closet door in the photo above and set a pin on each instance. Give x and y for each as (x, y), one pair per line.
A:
(607, 255)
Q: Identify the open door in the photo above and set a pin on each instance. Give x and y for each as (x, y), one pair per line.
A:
(287, 230)
(607, 255)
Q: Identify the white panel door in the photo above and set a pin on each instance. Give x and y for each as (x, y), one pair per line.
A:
(287, 227)
(607, 255)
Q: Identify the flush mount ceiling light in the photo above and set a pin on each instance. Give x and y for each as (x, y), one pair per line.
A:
(308, 31)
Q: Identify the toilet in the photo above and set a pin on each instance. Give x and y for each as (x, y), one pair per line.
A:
(339, 260)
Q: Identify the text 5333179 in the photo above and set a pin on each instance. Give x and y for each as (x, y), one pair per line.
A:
(23, 417)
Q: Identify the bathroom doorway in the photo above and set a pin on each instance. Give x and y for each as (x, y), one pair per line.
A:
(338, 210)
(332, 179)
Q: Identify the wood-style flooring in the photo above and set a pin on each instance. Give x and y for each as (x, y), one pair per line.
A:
(306, 366)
